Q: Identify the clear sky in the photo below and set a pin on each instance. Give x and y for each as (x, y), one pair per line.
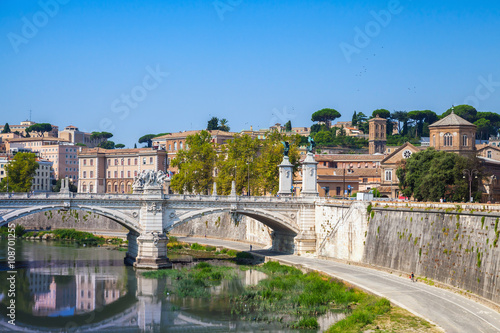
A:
(138, 67)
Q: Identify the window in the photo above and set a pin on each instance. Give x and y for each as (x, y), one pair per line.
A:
(388, 175)
(91, 162)
(434, 141)
(122, 187)
(175, 145)
(337, 190)
(123, 161)
(91, 174)
(135, 161)
(150, 160)
(135, 173)
(116, 174)
(144, 160)
(128, 174)
(109, 187)
(448, 140)
(85, 174)
(84, 187)
(365, 180)
(169, 147)
(91, 188)
(116, 187)
(84, 162)
(128, 161)
(121, 174)
(489, 154)
(129, 188)
(116, 161)
(465, 142)
(109, 174)
(180, 145)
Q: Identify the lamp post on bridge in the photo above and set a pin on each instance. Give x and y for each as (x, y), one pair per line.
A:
(470, 173)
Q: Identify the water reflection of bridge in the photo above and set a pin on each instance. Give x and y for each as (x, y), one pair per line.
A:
(137, 305)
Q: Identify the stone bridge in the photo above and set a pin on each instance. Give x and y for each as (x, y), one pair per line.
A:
(149, 214)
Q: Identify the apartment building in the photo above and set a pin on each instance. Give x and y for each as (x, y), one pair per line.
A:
(172, 143)
(21, 129)
(113, 170)
(74, 135)
(42, 181)
(61, 153)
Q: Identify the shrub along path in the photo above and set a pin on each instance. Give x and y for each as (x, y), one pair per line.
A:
(450, 311)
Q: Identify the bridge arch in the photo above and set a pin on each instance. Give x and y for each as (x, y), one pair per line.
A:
(276, 221)
(123, 219)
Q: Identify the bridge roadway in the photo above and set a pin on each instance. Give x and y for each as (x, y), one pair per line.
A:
(448, 310)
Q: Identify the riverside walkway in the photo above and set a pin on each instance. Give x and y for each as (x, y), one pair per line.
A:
(448, 310)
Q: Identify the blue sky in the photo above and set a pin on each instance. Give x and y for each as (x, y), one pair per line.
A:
(252, 62)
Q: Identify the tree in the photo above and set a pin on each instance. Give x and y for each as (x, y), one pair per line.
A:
(119, 146)
(135, 145)
(147, 139)
(402, 118)
(6, 128)
(354, 120)
(430, 175)
(20, 172)
(72, 187)
(213, 124)
(99, 137)
(271, 155)
(40, 129)
(420, 118)
(223, 125)
(465, 111)
(237, 161)
(326, 116)
(362, 122)
(288, 126)
(195, 165)
(107, 145)
(383, 113)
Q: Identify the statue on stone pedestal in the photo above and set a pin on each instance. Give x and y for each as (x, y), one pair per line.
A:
(312, 144)
(286, 146)
(150, 178)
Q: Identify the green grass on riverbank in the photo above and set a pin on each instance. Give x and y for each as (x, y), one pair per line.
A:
(79, 237)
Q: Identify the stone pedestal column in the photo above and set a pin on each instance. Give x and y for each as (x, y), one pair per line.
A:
(152, 252)
(309, 176)
(286, 177)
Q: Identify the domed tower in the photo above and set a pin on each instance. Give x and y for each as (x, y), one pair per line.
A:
(454, 134)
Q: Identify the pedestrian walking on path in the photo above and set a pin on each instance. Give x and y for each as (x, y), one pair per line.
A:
(412, 277)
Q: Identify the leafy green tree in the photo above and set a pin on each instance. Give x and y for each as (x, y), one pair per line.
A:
(72, 187)
(362, 122)
(195, 165)
(237, 161)
(315, 128)
(213, 124)
(20, 172)
(40, 129)
(107, 145)
(223, 125)
(354, 120)
(147, 139)
(99, 137)
(271, 155)
(430, 175)
(465, 111)
(402, 118)
(135, 145)
(420, 118)
(325, 115)
(119, 146)
(288, 126)
(323, 138)
(6, 128)
(382, 113)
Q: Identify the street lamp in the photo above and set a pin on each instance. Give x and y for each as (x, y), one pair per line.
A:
(469, 174)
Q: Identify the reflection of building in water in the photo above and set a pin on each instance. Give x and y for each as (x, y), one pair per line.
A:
(59, 297)
(94, 292)
(63, 295)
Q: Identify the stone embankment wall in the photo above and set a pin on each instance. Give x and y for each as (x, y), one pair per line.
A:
(453, 244)
(223, 226)
(72, 219)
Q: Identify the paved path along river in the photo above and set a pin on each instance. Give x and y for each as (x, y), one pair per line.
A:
(450, 311)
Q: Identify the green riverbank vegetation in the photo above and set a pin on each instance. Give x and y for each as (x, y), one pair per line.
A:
(290, 297)
(79, 237)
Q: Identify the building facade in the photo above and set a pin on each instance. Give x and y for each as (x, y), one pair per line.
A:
(377, 135)
(113, 170)
(21, 129)
(453, 134)
(74, 135)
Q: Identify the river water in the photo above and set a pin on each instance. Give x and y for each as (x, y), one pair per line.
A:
(61, 287)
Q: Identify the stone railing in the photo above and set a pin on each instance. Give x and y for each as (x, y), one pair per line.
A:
(229, 198)
(443, 206)
(63, 196)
